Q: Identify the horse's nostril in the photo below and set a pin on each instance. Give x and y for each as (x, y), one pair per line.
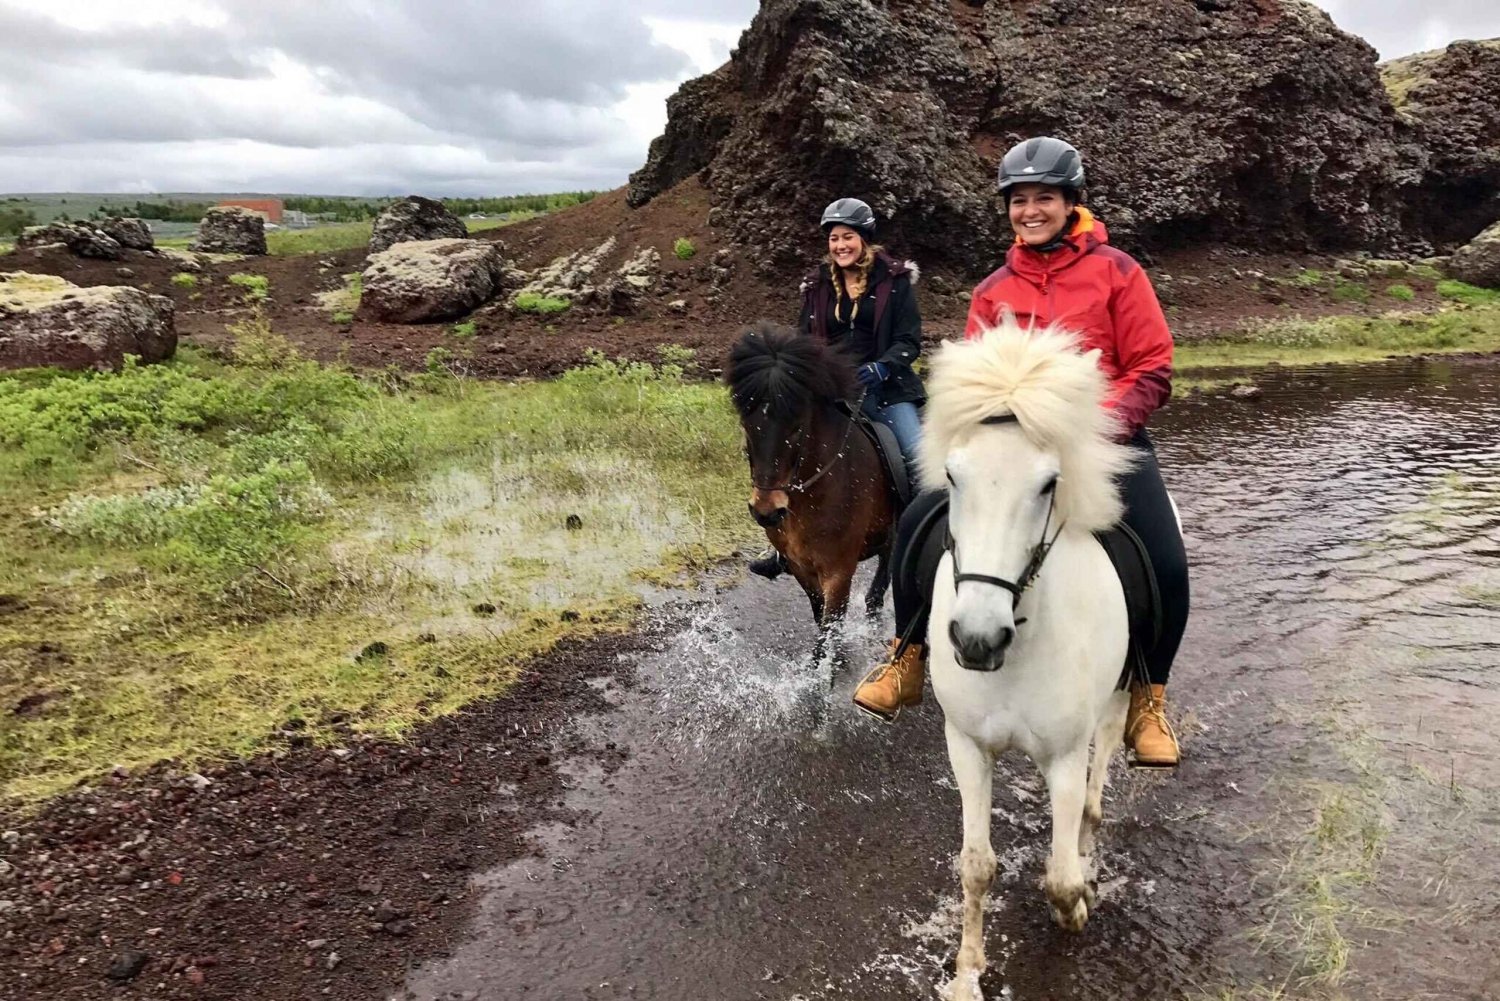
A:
(1006, 636)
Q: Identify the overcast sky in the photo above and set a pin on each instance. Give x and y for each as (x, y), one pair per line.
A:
(441, 97)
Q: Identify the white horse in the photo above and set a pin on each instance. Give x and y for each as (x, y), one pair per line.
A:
(1029, 629)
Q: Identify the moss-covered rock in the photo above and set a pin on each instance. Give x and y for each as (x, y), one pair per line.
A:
(428, 280)
(48, 322)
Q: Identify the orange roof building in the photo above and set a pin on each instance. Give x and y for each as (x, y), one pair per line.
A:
(269, 208)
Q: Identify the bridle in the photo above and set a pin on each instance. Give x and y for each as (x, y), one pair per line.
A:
(800, 486)
(1039, 552)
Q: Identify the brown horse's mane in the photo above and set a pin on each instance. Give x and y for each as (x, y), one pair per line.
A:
(782, 372)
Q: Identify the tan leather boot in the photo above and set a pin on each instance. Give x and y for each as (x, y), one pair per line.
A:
(1147, 731)
(893, 683)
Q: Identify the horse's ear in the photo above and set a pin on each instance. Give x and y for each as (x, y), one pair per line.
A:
(1092, 354)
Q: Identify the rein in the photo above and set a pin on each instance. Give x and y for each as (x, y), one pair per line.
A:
(1039, 552)
(801, 486)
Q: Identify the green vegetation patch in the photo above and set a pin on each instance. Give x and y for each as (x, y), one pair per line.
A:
(531, 302)
(1345, 339)
(343, 301)
(683, 248)
(464, 330)
(1471, 295)
(1401, 292)
(257, 287)
(185, 279)
(207, 545)
(1308, 278)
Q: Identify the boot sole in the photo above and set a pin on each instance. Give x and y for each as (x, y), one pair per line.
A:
(877, 714)
(1158, 765)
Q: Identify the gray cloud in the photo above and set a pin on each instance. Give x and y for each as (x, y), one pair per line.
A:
(1401, 27)
(380, 96)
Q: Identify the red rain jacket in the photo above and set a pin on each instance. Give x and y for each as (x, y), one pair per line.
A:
(1089, 286)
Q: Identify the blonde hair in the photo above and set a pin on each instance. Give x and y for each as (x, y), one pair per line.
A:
(853, 286)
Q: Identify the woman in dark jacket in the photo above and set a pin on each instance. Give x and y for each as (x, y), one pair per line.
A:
(862, 300)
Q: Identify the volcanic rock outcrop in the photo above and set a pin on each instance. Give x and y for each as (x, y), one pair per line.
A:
(414, 218)
(1251, 122)
(47, 321)
(129, 232)
(79, 238)
(1449, 120)
(229, 229)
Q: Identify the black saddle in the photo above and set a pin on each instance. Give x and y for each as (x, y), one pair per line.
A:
(1126, 552)
(889, 450)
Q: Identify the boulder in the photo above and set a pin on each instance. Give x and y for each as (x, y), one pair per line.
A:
(46, 321)
(79, 238)
(1449, 129)
(571, 277)
(229, 229)
(1251, 122)
(632, 281)
(426, 280)
(414, 218)
(129, 232)
(1478, 261)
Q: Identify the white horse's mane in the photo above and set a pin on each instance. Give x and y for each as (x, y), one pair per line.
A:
(1056, 393)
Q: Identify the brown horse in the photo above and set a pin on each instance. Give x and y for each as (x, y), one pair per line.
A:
(818, 486)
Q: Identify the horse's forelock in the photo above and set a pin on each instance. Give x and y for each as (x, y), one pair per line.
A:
(1055, 393)
(775, 368)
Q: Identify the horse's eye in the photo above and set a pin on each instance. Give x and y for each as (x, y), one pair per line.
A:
(949, 473)
(1050, 487)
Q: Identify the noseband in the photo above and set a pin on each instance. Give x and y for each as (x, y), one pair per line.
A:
(1039, 552)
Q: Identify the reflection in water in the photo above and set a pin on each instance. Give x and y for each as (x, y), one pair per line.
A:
(1344, 532)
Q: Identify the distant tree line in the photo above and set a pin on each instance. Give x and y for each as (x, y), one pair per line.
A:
(359, 209)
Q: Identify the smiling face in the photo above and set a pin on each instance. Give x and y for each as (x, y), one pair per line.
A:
(845, 246)
(1038, 213)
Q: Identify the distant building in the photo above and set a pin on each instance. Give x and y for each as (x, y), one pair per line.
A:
(296, 220)
(269, 209)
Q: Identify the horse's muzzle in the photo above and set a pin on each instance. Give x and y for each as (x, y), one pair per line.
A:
(980, 653)
(769, 507)
(770, 519)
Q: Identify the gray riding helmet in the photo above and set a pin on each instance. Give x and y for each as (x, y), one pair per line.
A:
(1043, 160)
(853, 213)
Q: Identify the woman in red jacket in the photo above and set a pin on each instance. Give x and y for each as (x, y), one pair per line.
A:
(1061, 269)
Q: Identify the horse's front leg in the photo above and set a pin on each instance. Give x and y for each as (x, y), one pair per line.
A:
(1067, 781)
(836, 589)
(875, 596)
(973, 770)
(1108, 736)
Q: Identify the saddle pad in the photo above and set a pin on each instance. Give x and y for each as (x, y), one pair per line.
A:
(1125, 550)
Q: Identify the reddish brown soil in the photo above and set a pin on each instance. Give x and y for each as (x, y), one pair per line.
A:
(247, 887)
(1205, 290)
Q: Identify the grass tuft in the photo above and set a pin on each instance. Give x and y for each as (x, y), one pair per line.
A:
(532, 302)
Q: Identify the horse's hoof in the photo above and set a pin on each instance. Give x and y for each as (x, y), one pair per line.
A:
(966, 986)
(1073, 918)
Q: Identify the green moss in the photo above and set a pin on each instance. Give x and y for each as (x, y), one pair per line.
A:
(257, 287)
(1471, 295)
(1401, 292)
(185, 279)
(684, 248)
(531, 302)
(1308, 278)
(465, 330)
(1345, 291)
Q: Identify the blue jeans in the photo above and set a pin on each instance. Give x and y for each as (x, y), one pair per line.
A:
(903, 421)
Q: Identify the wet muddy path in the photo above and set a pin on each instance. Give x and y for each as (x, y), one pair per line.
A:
(1331, 832)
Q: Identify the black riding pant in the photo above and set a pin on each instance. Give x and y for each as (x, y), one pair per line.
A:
(1148, 512)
